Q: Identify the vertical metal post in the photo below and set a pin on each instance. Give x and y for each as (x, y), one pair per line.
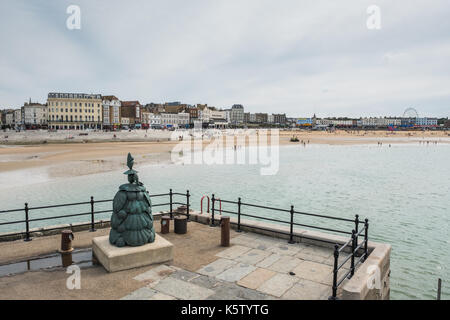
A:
(356, 227)
(92, 215)
(291, 233)
(439, 289)
(239, 215)
(27, 224)
(335, 273)
(171, 211)
(352, 265)
(187, 204)
(212, 210)
(366, 238)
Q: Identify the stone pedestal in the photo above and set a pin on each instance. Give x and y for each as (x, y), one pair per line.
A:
(115, 259)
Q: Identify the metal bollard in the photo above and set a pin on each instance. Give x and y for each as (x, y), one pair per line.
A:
(66, 241)
(66, 247)
(165, 224)
(180, 224)
(225, 231)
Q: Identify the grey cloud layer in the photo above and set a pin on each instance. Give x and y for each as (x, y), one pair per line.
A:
(297, 56)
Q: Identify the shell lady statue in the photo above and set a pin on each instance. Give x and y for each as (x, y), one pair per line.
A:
(132, 220)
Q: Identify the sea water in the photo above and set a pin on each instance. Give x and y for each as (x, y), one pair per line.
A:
(404, 191)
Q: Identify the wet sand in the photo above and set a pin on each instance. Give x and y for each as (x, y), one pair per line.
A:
(93, 156)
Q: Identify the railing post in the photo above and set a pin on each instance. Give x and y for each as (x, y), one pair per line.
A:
(27, 224)
(187, 204)
(291, 233)
(212, 210)
(352, 265)
(335, 273)
(92, 215)
(239, 215)
(439, 289)
(366, 238)
(171, 210)
(356, 227)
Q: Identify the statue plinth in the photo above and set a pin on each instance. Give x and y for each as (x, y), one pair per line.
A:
(115, 258)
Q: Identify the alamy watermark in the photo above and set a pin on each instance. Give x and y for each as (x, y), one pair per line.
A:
(73, 22)
(227, 147)
(374, 20)
(73, 281)
(374, 279)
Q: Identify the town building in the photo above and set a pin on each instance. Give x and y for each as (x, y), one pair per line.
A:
(145, 119)
(34, 115)
(132, 111)
(237, 114)
(74, 111)
(9, 119)
(261, 117)
(111, 112)
(155, 121)
(175, 120)
(18, 123)
(279, 118)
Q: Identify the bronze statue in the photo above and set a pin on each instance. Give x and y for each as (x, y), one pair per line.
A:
(132, 220)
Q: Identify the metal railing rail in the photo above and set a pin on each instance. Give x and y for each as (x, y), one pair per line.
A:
(352, 242)
(27, 219)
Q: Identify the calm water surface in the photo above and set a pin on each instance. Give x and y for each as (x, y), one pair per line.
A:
(403, 190)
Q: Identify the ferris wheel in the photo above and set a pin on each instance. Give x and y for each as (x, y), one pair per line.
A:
(410, 113)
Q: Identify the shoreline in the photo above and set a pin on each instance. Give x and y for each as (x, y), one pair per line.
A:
(61, 159)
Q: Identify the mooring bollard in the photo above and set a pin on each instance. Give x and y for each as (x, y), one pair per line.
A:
(225, 231)
(66, 241)
(66, 247)
(165, 224)
(180, 224)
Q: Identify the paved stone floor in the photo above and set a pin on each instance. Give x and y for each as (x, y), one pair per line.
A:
(253, 267)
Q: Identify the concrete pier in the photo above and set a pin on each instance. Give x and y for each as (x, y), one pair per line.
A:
(258, 265)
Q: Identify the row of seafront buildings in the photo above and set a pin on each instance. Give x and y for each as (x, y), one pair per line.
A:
(78, 111)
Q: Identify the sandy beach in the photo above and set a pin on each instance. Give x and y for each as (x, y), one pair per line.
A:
(67, 153)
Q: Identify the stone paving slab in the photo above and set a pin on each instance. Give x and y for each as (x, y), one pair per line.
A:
(184, 275)
(253, 256)
(316, 250)
(269, 260)
(254, 240)
(307, 290)
(278, 285)
(285, 264)
(233, 252)
(155, 274)
(207, 282)
(256, 278)
(161, 296)
(236, 272)
(314, 271)
(216, 267)
(285, 249)
(144, 293)
(305, 255)
(231, 291)
(182, 289)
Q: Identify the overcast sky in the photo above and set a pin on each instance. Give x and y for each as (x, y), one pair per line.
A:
(291, 56)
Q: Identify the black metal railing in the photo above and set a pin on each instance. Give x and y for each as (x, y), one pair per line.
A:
(359, 250)
(352, 244)
(92, 213)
